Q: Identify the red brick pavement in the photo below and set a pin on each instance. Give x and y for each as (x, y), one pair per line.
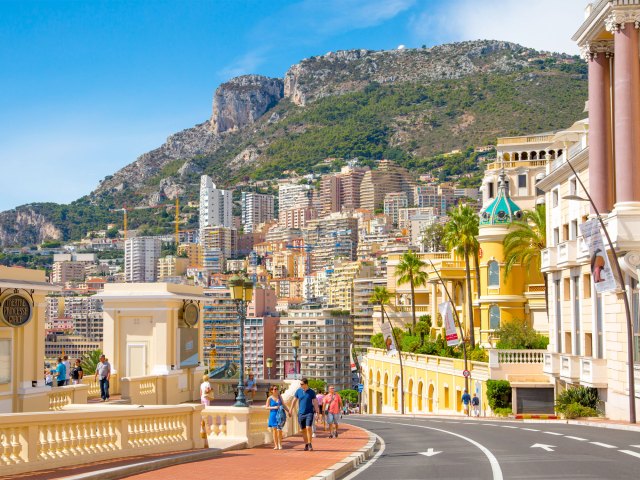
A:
(291, 463)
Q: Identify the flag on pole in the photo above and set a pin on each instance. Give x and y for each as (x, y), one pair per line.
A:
(387, 334)
(601, 271)
(451, 333)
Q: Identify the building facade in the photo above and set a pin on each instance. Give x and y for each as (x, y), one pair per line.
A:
(257, 208)
(141, 256)
(216, 205)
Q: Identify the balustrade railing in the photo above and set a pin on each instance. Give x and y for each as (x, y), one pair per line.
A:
(521, 356)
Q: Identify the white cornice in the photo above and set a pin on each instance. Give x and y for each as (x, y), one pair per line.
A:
(593, 49)
(620, 16)
(580, 162)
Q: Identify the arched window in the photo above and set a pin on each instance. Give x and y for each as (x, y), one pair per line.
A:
(494, 274)
(494, 317)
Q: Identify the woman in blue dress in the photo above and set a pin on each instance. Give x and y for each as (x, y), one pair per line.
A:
(274, 402)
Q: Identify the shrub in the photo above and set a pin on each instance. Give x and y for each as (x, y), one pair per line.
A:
(502, 412)
(575, 410)
(317, 384)
(584, 396)
(478, 354)
(518, 335)
(377, 341)
(499, 394)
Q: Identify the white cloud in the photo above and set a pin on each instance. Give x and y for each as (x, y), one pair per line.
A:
(540, 24)
(246, 63)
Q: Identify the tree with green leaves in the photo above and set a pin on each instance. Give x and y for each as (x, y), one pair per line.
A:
(381, 297)
(409, 270)
(461, 236)
(524, 243)
(432, 237)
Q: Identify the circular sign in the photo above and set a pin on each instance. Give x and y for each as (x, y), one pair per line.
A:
(16, 310)
(466, 373)
(191, 314)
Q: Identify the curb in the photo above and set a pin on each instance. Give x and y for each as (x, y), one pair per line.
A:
(147, 466)
(531, 416)
(349, 463)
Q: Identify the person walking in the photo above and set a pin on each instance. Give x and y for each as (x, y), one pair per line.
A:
(475, 404)
(77, 373)
(321, 416)
(306, 397)
(103, 370)
(67, 365)
(332, 407)
(276, 408)
(61, 373)
(466, 400)
(206, 393)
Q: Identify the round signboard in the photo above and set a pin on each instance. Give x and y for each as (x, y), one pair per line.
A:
(191, 314)
(16, 310)
(466, 373)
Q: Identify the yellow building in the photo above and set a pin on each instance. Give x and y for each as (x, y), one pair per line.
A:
(341, 283)
(194, 252)
(172, 266)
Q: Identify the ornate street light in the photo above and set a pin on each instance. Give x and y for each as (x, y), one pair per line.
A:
(295, 343)
(241, 293)
(269, 365)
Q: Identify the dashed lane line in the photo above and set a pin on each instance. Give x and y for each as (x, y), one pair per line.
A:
(530, 429)
(580, 439)
(554, 433)
(630, 452)
(605, 445)
(635, 446)
(508, 426)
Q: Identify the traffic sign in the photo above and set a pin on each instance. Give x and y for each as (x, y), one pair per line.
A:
(466, 373)
(360, 387)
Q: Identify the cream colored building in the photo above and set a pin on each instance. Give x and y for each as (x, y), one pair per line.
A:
(172, 266)
(341, 283)
(22, 319)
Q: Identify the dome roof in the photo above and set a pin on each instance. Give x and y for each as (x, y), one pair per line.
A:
(502, 210)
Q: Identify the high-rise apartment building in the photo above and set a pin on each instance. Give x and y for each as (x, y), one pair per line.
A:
(329, 238)
(362, 313)
(219, 244)
(256, 209)
(72, 267)
(221, 333)
(393, 202)
(341, 191)
(325, 337)
(342, 280)
(387, 178)
(171, 266)
(293, 196)
(141, 256)
(216, 205)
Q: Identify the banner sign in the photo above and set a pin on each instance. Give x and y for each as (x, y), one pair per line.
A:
(387, 334)
(354, 367)
(290, 369)
(601, 271)
(449, 323)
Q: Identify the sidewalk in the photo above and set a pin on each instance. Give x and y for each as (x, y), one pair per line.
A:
(291, 463)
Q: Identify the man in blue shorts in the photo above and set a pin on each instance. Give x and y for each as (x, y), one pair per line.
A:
(306, 397)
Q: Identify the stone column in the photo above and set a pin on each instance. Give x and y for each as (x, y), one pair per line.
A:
(601, 171)
(627, 107)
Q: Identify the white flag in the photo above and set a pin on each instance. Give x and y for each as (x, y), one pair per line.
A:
(601, 272)
(446, 311)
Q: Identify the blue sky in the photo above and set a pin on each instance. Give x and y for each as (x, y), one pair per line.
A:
(87, 86)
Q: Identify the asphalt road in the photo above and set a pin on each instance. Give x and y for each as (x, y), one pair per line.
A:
(447, 448)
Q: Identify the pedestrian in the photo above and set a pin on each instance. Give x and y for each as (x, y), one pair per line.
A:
(67, 365)
(103, 370)
(48, 378)
(277, 409)
(306, 397)
(206, 393)
(321, 416)
(251, 387)
(77, 373)
(475, 403)
(332, 407)
(466, 400)
(61, 373)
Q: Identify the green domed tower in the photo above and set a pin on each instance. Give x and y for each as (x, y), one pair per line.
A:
(502, 210)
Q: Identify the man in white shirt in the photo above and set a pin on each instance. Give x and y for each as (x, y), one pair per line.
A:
(103, 371)
(67, 365)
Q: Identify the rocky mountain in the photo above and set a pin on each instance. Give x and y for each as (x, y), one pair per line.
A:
(406, 104)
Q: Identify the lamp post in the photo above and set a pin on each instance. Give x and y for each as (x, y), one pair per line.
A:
(269, 365)
(295, 343)
(241, 293)
(627, 308)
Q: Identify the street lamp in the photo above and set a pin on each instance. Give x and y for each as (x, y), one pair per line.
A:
(627, 308)
(241, 293)
(269, 365)
(295, 343)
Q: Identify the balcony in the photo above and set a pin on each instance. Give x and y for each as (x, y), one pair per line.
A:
(548, 260)
(593, 372)
(569, 368)
(566, 256)
(551, 364)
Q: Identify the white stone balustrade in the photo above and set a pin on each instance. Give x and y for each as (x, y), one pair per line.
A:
(84, 434)
(509, 364)
(94, 386)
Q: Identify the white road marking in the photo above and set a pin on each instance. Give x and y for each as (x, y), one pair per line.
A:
(508, 426)
(429, 453)
(489, 424)
(605, 445)
(580, 439)
(530, 429)
(630, 452)
(635, 446)
(493, 461)
(548, 448)
(370, 462)
(552, 433)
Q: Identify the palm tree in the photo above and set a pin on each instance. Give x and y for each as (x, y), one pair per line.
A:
(89, 361)
(380, 296)
(409, 270)
(461, 236)
(524, 243)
